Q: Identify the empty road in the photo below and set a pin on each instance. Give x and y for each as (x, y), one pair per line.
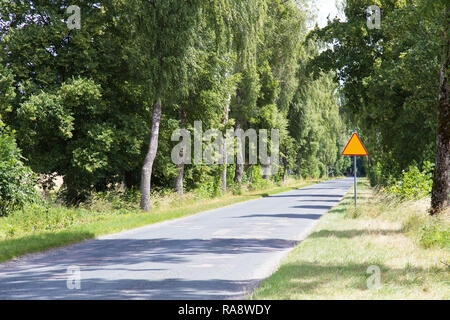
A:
(217, 254)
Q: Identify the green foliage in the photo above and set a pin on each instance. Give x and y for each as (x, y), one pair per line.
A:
(37, 218)
(435, 234)
(389, 79)
(69, 94)
(118, 201)
(81, 100)
(413, 184)
(17, 181)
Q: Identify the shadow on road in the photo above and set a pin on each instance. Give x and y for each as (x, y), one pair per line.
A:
(313, 206)
(46, 275)
(284, 215)
(105, 289)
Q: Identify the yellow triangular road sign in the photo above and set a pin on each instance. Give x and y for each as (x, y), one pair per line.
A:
(354, 147)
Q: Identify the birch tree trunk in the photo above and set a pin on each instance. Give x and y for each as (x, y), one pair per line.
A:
(146, 174)
(266, 171)
(224, 152)
(284, 164)
(441, 178)
(178, 181)
(239, 170)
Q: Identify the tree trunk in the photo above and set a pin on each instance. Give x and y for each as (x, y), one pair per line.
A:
(224, 151)
(266, 171)
(72, 195)
(284, 164)
(297, 169)
(248, 172)
(150, 157)
(441, 178)
(239, 166)
(223, 178)
(178, 181)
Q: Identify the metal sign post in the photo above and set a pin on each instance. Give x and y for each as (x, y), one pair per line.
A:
(354, 148)
(354, 174)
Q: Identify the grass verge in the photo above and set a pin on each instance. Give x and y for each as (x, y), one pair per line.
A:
(36, 230)
(410, 249)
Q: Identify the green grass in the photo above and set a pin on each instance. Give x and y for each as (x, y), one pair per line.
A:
(333, 262)
(36, 230)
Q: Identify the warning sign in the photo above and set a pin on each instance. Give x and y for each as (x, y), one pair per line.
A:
(354, 147)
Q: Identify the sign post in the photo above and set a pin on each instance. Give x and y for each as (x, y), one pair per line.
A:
(354, 176)
(354, 148)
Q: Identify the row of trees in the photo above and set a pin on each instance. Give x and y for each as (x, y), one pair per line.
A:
(98, 104)
(395, 85)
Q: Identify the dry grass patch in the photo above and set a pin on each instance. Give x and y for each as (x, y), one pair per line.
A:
(333, 262)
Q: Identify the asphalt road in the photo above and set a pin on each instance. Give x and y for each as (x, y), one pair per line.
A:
(219, 254)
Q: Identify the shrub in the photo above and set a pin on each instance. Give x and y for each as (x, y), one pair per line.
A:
(125, 201)
(413, 183)
(45, 218)
(375, 175)
(435, 235)
(257, 180)
(17, 181)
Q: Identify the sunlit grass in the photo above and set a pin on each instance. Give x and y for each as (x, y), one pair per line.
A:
(332, 262)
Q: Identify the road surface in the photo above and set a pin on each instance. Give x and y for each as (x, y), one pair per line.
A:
(218, 254)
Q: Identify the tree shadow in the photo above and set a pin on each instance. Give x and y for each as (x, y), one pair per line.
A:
(11, 248)
(308, 195)
(284, 215)
(306, 277)
(132, 269)
(106, 289)
(313, 206)
(321, 200)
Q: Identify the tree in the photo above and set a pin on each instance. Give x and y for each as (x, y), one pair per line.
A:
(74, 108)
(165, 46)
(17, 181)
(388, 77)
(440, 193)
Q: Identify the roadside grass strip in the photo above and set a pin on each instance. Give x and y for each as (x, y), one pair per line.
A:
(375, 252)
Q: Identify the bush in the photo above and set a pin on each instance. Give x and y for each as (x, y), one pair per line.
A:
(375, 175)
(322, 170)
(45, 218)
(122, 201)
(435, 235)
(17, 181)
(257, 180)
(413, 184)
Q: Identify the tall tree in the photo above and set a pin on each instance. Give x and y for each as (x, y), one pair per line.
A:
(74, 111)
(165, 37)
(440, 194)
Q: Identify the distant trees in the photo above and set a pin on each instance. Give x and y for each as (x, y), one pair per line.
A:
(389, 78)
(74, 110)
(98, 104)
